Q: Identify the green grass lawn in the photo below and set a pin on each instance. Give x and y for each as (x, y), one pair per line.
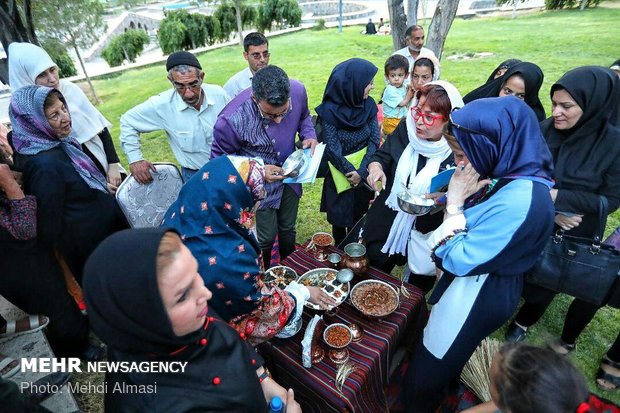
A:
(556, 41)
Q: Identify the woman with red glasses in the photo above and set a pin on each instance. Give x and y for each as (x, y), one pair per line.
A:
(415, 152)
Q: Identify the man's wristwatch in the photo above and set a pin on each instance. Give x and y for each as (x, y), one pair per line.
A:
(452, 209)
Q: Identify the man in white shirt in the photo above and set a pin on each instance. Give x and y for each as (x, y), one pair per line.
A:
(187, 113)
(256, 52)
(414, 37)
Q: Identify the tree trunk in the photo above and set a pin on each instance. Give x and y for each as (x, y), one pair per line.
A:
(14, 30)
(398, 22)
(582, 5)
(239, 24)
(514, 9)
(412, 12)
(92, 89)
(440, 25)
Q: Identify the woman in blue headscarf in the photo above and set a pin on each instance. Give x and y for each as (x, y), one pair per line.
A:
(348, 117)
(75, 210)
(498, 217)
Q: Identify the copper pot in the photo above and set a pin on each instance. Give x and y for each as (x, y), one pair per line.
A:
(355, 258)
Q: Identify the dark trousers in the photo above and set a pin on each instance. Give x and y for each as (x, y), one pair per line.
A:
(378, 259)
(537, 299)
(13, 401)
(38, 287)
(614, 351)
(428, 377)
(281, 222)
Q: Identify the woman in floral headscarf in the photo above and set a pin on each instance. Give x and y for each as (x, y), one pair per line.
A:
(76, 211)
(215, 216)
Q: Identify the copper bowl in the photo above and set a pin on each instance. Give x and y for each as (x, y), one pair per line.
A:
(367, 295)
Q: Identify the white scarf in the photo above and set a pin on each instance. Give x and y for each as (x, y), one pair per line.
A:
(419, 183)
(27, 61)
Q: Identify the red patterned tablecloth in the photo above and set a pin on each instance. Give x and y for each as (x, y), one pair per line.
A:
(363, 391)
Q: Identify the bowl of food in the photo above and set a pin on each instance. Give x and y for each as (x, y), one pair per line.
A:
(293, 165)
(337, 335)
(325, 278)
(414, 204)
(374, 298)
(279, 276)
(320, 243)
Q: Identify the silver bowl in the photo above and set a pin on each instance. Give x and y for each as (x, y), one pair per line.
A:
(294, 163)
(414, 204)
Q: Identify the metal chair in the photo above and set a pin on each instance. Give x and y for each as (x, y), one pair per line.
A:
(145, 205)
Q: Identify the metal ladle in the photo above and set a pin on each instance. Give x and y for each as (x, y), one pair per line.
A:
(344, 275)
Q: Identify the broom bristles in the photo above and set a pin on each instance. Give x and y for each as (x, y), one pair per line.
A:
(475, 374)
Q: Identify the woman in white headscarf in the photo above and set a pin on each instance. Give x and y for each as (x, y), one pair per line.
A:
(31, 65)
(413, 155)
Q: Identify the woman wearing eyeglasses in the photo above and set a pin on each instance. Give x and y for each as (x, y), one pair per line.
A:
(75, 208)
(498, 218)
(522, 80)
(415, 152)
(31, 65)
(348, 116)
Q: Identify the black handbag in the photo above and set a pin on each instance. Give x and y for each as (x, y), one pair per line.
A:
(584, 268)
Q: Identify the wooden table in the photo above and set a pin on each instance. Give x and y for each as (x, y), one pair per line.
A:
(363, 391)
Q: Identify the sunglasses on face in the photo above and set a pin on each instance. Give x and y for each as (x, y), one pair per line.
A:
(427, 118)
(257, 56)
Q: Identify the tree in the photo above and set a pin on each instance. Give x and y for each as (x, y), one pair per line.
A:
(248, 16)
(412, 12)
(398, 22)
(438, 30)
(568, 4)
(126, 46)
(440, 25)
(59, 55)
(17, 26)
(226, 15)
(238, 7)
(284, 13)
(76, 23)
(171, 35)
(214, 31)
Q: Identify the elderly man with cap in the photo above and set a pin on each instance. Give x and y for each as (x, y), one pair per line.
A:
(187, 113)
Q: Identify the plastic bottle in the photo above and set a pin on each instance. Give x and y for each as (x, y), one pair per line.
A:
(276, 405)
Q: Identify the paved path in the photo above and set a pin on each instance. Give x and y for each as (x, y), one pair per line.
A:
(30, 346)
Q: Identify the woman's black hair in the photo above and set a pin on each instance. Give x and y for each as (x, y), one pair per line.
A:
(531, 379)
(425, 62)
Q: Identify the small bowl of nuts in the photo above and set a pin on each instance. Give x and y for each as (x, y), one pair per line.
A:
(337, 335)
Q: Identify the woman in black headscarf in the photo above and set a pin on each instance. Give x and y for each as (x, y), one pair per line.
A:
(149, 304)
(583, 136)
(522, 80)
(348, 117)
(501, 69)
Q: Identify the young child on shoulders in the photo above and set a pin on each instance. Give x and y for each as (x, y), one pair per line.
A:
(397, 95)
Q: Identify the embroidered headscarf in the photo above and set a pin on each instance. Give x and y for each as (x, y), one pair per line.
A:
(502, 139)
(419, 182)
(532, 78)
(343, 102)
(32, 133)
(213, 214)
(27, 61)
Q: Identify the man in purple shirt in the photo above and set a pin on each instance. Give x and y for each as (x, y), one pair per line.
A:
(263, 122)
